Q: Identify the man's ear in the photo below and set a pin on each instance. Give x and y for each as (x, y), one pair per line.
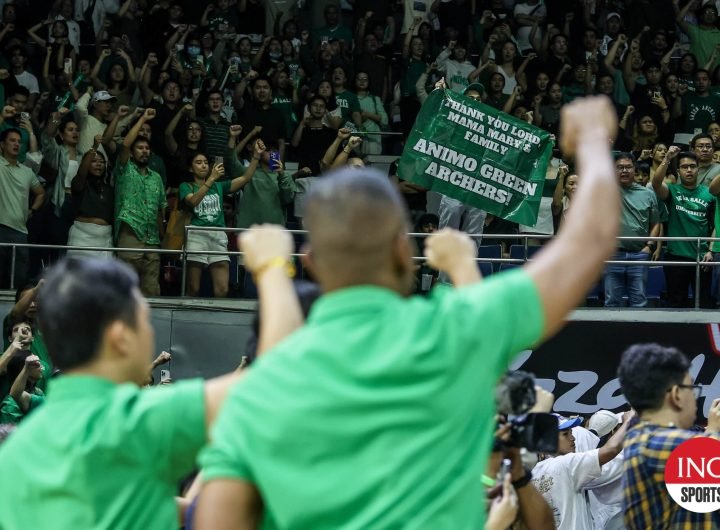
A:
(673, 397)
(117, 339)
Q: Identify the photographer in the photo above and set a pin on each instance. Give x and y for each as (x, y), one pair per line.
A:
(562, 479)
(534, 511)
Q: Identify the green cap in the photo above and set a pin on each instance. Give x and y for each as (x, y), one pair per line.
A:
(478, 87)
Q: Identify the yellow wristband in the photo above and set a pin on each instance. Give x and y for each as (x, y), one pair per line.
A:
(277, 261)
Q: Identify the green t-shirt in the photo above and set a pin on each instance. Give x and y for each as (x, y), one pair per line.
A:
(339, 32)
(264, 199)
(715, 245)
(688, 217)
(703, 42)
(210, 210)
(640, 211)
(382, 407)
(348, 103)
(102, 456)
(10, 411)
(699, 112)
(413, 69)
(285, 105)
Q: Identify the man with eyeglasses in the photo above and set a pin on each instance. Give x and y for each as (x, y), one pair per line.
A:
(656, 382)
(702, 146)
(640, 217)
(689, 207)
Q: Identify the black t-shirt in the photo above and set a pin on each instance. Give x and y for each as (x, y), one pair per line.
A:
(97, 199)
(313, 145)
(271, 120)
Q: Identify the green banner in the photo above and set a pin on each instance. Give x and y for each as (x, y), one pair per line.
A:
(478, 155)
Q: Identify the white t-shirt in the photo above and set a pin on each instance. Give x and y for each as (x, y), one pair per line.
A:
(416, 8)
(29, 81)
(544, 224)
(72, 169)
(523, 32)
(605, 492)
(561, 481)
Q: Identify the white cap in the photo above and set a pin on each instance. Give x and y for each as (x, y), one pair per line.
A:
(604, 421)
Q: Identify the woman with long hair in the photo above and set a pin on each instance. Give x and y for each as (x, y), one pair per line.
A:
(373, 115)
(644, 134)
(120, 78)
(203, 195)
(187, 143)
(94, 200)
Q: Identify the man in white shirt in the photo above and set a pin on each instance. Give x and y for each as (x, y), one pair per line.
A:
(18, 58)
(562, 479)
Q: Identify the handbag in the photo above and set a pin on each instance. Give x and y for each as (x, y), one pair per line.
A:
(175, 231)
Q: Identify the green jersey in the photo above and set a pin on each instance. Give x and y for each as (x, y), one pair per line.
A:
(688, 217)
(210, 210)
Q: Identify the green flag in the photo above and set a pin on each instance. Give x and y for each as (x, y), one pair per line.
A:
(478, 155)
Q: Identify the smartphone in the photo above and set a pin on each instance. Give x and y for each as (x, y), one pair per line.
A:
(25, 116)
(219, 160)
(274, 160)
(164, 376)
(68, 66)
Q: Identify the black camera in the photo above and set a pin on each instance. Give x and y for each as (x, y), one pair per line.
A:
(514, 397)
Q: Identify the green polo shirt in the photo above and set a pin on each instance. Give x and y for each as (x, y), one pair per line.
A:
(10, 411)
(138, 200)
(640, 211)
(348, 103)
(382, 408)
(99, 456)
(688, 217)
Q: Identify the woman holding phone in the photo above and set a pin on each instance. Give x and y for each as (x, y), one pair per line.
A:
(204, 197)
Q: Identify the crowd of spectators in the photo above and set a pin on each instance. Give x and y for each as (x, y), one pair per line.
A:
(109, 106)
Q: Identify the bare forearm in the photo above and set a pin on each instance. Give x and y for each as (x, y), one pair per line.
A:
(18, 386)
(280, 312)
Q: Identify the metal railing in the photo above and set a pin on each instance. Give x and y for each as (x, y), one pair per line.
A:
(524, 238)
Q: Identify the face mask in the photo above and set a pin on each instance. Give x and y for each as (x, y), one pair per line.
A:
(275, 56)
(193, 51)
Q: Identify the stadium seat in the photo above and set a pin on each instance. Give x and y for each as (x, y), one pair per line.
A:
(655, 284)
(486, 268)
(491, 252)
(518, 251)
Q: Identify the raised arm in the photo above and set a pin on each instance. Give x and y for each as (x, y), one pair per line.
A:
(658, 180)
(408, 37)
(80, 180)
(17, 390)
(583, 244)
(32, 33)
(681, 13)
(108, 137)
(559, 193)
(170, 141)
(124, 155)
(342, 157)
(14, 347)
(614, 445)
(453, 252)
(612, 53)
(240, 182)
(267, 250)
(329, 158)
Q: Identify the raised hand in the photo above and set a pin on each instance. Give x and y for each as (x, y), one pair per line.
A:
(263, 244)
(344, 133)
(149, 114)
(448, 249)
(585, 117)
(258, 148)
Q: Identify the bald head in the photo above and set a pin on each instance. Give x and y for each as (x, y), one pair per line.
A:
(357, 226)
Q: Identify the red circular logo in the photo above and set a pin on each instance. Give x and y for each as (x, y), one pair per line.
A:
(692, 475)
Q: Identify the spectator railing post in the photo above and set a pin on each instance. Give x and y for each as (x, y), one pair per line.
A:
(12, 267)
(525, 245)
(697, 276)
(184, 262)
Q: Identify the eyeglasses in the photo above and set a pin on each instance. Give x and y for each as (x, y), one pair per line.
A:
(696, 389)
(703, 147)
(624, 168)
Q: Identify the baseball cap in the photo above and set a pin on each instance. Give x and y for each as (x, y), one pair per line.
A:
(613, 14)
(475, 86)
(567, 423)
(603, 422)
(102, 95)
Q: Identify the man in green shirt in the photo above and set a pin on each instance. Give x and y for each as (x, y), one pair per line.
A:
(101, 453)
(384, 416)
(705, 36)
(139, 207)
(333, 29)
(698, 109)
(702, 146)
(346, 100)
(689, 206)
(25, 370)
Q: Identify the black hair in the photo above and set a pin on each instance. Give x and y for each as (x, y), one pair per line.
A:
(647, 371)
(79, 300)
(701, 70)
(16, 48)
(624, 155)
(138, 140)
(642, 167)
(16, 364)
(262, 78)
(427, 219)
(15, 90)
(652, 63)
(4, 134)
(687, 154)
(307, 293)
(701, 136)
